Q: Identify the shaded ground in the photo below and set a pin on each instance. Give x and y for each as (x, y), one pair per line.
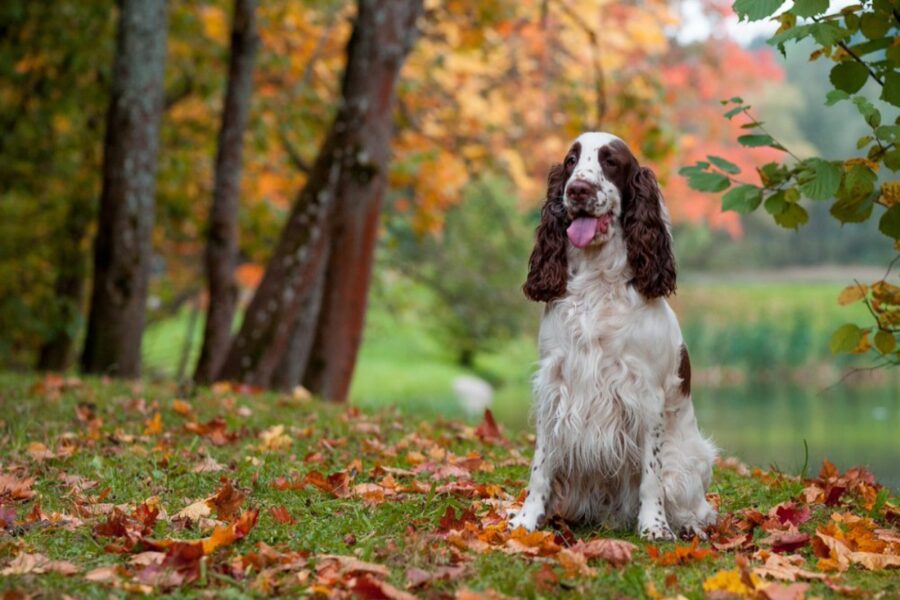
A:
(109, 487)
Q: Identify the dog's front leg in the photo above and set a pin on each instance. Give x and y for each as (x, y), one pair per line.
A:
(534, 511)
(652, 522)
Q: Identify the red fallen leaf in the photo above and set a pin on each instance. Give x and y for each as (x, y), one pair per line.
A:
(7, 516)
(146, 515)
(374, 589)
(281, 514)
(788, 512)
(833, 494)
(615, 552)
(789, 542)
(681, 555)
(488, 431)
(546, 580)
(336, 483)
(449, 522)
(216, 431)
(227, 500)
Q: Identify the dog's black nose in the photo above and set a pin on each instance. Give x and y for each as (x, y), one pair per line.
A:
(579, 191)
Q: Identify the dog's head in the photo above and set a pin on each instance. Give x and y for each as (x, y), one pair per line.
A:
(600, 191)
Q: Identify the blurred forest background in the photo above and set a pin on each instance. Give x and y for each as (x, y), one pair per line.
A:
(475, 100)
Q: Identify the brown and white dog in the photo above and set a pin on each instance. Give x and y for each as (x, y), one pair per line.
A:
(617, 441)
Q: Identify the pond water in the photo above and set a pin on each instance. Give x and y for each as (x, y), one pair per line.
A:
(766, 425)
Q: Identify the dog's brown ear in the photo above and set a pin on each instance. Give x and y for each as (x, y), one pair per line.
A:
(547, 267)
(647, 236)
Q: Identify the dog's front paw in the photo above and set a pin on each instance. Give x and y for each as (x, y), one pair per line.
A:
(527, 519)
(657, 531)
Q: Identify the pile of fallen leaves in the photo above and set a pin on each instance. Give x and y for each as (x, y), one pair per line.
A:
(259, 487)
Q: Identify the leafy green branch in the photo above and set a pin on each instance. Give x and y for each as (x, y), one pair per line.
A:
(860, 39)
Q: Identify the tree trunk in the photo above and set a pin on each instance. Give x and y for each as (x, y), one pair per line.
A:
(123, 248)
(346, 183)
(58, 350)
(289, 373)
(222, 239)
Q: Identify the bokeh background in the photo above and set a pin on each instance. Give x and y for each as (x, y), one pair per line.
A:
(490, 97)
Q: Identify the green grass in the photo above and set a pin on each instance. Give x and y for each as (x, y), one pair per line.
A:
(398, 533)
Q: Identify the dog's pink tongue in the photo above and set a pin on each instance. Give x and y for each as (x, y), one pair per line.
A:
(582, 230)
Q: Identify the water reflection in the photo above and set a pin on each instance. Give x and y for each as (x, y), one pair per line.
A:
(766, 425)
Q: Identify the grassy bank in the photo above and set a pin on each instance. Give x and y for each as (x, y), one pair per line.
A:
(308, 498)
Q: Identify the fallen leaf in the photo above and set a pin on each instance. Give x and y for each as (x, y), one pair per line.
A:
(777, 591)
(488, 431)
(208, 465)
(25, 564)
(615, 552)
(12, 488)
(281, 514)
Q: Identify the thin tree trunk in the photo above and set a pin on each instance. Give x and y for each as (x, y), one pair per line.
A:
(222, 240)
(289, 373)
(58, 351)
(123, 248)
(348, 177)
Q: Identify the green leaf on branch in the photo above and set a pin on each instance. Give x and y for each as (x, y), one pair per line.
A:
(772, 173)
(885, 341)
(822, 179)
(871, 114)
(859, 182)
(888, 133)
(776, 204)
(849, 76)
(874, 26)
(835, 96)
(725, 165)
(828, 33)
(889, 224)
(892, 159)
(792, 217)
(846, 338)
(742, 199)
(852, 209)
(891, 91)
(754, 10)
(864, 141)
(809, 8)
(734, 112)
(707, 181)
(755, 140)
(794, 33)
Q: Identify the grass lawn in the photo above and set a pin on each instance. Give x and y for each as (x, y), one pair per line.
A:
(100, 483)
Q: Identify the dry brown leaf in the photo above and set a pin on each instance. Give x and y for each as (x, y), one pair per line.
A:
(25, 564)
(615, 552)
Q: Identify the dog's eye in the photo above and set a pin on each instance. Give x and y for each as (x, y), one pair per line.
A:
(609, 162)
(570, 161)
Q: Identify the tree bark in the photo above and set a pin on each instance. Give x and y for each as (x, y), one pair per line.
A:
(343, 192)
(222, 239)
(58, 351)
(289, 373)
(123, 248)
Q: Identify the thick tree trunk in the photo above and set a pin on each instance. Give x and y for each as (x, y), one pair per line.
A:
(222, 239)
(58, 350)
(123, 249)
(340, 325)
(348, 177)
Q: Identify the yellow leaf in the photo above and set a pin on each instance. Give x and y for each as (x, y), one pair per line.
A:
(730, 582)
(890, 193)
(852, 293)
(153, 426)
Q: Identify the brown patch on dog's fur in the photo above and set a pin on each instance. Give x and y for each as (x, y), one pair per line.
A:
(684, 371)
